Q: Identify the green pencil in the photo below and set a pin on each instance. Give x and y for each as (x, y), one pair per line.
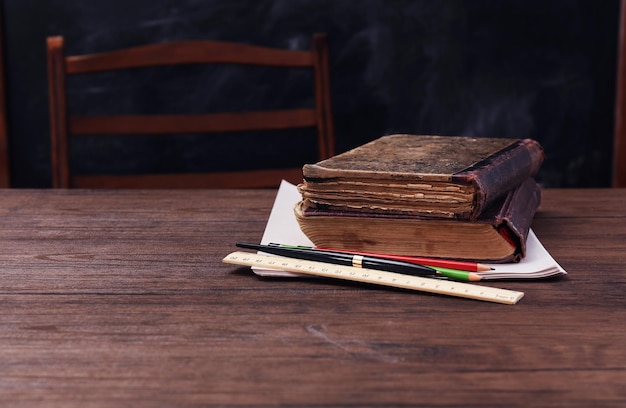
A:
(457, 274)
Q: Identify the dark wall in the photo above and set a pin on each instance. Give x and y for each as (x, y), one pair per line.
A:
(499, 68)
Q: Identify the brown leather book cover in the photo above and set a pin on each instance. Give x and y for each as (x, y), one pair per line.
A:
(498, 235)
(437, 176)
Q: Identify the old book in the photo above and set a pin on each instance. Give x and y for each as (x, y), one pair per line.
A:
(435, 176)
(497, 235)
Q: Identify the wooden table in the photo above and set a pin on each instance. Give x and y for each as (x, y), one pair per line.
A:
(120, 299)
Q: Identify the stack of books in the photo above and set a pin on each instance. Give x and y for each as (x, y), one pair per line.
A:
(434, 196)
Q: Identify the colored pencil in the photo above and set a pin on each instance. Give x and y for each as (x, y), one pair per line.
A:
(458, 274)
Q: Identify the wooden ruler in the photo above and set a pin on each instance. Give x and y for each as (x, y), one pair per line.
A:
(440, 286)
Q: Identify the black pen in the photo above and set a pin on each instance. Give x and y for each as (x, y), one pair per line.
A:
(338, 258)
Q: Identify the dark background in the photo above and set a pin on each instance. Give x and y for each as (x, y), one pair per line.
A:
(543, 69)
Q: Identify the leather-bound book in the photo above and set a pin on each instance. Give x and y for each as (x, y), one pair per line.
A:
(497, 235)
(432, 176)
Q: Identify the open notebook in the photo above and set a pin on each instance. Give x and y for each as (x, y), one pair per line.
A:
(283, 228)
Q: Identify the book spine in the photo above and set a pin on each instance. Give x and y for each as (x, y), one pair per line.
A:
(501, 172)
(516, 215)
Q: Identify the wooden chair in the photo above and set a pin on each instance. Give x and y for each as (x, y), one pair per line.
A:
(619, 143)
(65, 127)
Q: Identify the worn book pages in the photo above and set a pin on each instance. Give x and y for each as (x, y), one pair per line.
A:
(497, 235)
(282, 227)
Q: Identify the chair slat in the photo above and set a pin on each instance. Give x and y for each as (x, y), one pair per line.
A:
(207, 123)
(187, 52)
(244, 179)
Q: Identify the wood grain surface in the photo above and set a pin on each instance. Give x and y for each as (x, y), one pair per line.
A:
(119, 298)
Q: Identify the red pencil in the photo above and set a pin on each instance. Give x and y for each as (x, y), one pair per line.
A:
(442, 263)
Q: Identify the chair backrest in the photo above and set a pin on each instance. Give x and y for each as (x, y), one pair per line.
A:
(619, 142)
(64, 126)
